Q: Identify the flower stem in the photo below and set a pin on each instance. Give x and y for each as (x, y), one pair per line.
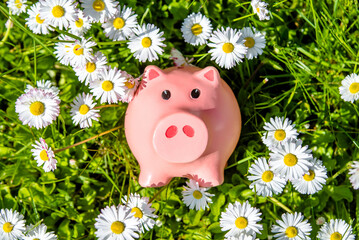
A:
(346, 167)
(7, 33)
(157, 193)
(111, 43)
(86, 140)
(240, 18)
(279, 3)
(108, 105)
(275, 201)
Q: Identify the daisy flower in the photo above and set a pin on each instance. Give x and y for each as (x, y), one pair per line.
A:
(75, 54)
(336, 229)
(142, 209)
(99, 10)
(64, 49)
(81, 24)
(90, 71)
(82, 111)
(265, 181)
(36, 24)
(260, 8)
(146, 43)
(349, 90)
(57, 13)
(314, 180)
(119, 27)
(292, 227)
(39, 233)
(227, 49)
(12, 224)
(290, 160)
(354, 172)
(278, 130)
(179, 60)
(110, 86)
(17, 6)
(131, 85)
(45, 85)
(37, 108)
(196, 29)
(81, 52)
(44, 155)
(196, 197)
(9, 23)
(240, 218)
(117, 223)
(241, 236)
(254, 41)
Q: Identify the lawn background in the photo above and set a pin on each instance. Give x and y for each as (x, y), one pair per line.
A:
(311, 47)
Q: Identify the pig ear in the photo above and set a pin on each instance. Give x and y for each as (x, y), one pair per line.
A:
(209, 74)
(152, 72)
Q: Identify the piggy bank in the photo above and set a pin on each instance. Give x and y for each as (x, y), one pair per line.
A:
(182, 122)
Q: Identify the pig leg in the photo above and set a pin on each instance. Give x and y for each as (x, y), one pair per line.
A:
(153, 177)
(209, 170)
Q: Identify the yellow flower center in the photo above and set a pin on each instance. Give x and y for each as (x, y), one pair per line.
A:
(117, 227)
(354, 88)
(197, 194)
(43, 155)
(267, 176)
(249, 43)
(107, 85)
(118, 23)
(291, 232)
(146, 42)
(138, 212)
(36, 239)
(90, 67)
(290, 160)
(78, 50)
(309, 177)
(241, 222)
(258, 10)
(37, 108)
(39, 20)
(336, 236)
(228, 47)
(7, 227)
(129, 84)
(196, 29)
(98, 5)
(79, 23)
(18, 3)
(58, 11)
(279, 135)
(84, 109)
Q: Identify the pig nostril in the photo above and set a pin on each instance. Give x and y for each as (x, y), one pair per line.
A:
(188, 130)
(171, 131)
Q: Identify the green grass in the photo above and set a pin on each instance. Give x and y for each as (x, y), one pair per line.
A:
(311, 47)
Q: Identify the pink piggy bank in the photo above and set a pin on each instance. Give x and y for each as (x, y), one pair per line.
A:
(183, 122)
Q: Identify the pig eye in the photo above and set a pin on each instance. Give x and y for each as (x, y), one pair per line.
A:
(195, 93)
(166, 94)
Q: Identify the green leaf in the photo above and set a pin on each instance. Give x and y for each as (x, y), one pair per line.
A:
(178, 9)
(343, 140)
(64, 229)
(195, 216)
(341, 192)
(215, 228)
(218, 202)
(79, 230)
(4, 151)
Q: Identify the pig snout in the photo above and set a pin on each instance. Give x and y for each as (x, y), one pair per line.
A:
(180, 138)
